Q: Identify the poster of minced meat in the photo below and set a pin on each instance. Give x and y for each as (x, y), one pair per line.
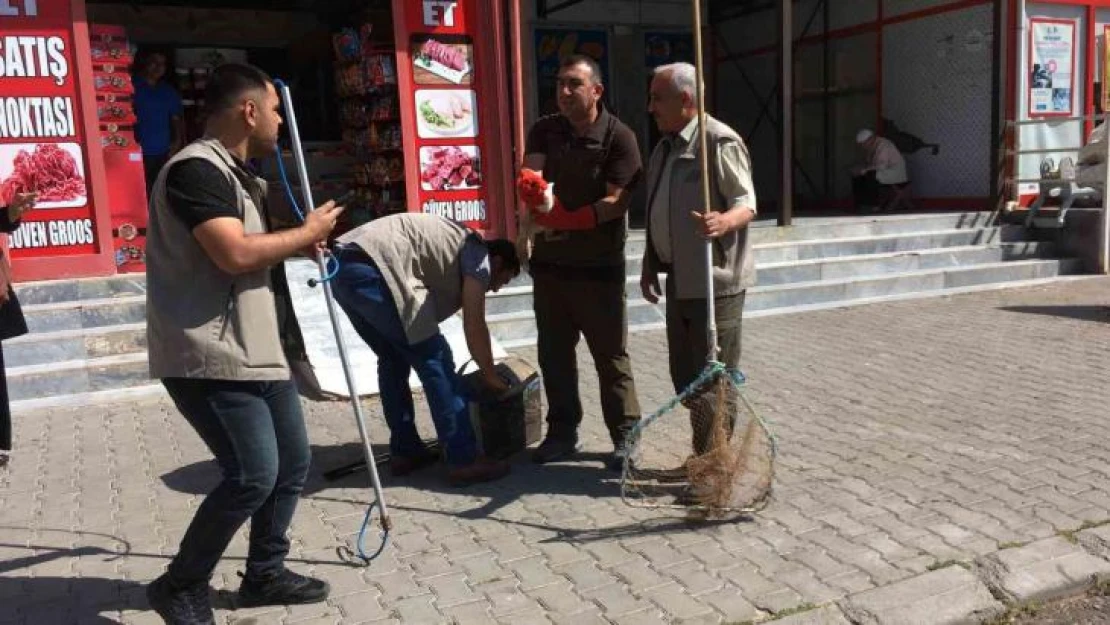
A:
(52, 170)
(1051, 67)
(44, 143)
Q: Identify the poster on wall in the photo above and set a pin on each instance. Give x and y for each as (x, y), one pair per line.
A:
(43, 147)
(1051, 67)
(555, 44)
(442, 108)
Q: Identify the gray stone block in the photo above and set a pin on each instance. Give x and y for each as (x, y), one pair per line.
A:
(1046, 569)
(828, 615)
(948, 596)
(1096, 541)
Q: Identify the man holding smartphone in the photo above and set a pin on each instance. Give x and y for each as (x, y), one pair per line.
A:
(214, 341)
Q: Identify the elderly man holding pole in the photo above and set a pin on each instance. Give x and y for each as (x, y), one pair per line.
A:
(678, 227)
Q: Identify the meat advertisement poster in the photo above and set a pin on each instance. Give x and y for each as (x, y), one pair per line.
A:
(43, 143)
(441, 106)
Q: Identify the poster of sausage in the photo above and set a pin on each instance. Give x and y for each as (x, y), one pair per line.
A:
(43, 143)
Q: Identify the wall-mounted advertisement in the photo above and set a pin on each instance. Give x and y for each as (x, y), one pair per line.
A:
(1051, 67)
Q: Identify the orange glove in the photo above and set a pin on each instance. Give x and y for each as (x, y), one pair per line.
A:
(533, 189)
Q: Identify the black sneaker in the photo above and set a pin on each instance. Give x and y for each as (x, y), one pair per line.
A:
(555, 448)
(285, 588)
(188, 606)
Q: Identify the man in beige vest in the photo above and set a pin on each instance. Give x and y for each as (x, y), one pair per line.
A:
(399, 277)
(213, 339)
(678, 227)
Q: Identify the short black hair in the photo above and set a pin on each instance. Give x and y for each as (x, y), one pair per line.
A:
(588, 61)
(229, 82)
(506, 251)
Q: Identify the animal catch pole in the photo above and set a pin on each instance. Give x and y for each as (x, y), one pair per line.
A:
(322, 260)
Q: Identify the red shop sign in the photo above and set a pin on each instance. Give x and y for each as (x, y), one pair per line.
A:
(448, 105)
(45, 119)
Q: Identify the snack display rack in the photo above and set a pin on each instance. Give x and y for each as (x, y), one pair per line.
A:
(112, 57)
(366, 83)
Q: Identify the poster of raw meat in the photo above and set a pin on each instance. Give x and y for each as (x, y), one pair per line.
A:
(555, 44)
(442, 59)
(43, 144)
(1051, 67)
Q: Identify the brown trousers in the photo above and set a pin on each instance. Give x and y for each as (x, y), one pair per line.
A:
(688, 346)
(567, 309)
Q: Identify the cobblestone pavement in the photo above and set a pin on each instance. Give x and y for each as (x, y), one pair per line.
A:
(912, 435)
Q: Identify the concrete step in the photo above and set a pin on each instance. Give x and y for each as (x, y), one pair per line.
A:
(518, 328)
(85, 314)
(833, 264)
(40, 348)
(811, 228)
(78, 376)
(55, 292)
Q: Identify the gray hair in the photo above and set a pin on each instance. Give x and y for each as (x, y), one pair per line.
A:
(684, 77)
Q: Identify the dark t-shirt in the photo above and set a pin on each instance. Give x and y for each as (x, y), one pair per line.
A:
(621, 165)
(198, 191)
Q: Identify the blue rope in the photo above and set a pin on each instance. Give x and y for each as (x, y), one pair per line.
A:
(362, 535)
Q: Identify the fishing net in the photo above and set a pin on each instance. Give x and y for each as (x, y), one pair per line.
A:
(717, 463)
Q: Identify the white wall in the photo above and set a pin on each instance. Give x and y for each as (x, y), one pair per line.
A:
(937, 86)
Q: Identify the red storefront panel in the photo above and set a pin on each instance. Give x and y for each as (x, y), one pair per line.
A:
(48, 140)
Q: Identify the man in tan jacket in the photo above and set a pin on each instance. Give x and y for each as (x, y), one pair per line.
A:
(678, 227)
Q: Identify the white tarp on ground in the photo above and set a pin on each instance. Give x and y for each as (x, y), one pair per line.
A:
(319, 338)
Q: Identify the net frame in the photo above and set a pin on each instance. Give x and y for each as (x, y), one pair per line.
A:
(704, 472)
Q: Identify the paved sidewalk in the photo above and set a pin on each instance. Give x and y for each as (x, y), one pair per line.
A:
(915, 437)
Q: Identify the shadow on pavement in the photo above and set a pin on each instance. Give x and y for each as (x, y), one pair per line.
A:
(1082, 313)
(584, 476)
(41, 600)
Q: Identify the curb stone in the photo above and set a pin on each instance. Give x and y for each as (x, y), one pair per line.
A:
(948, 596)
(828, 615)
(1046, 569)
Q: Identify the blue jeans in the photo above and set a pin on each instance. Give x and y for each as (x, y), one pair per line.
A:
(257, 432)
(364, 295)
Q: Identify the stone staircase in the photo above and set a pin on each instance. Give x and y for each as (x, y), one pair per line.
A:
(87, 340)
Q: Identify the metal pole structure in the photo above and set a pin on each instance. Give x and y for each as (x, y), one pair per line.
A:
(341, 343)
(826, 108)
(998, 187)
(703, 159)
(786, 129)
(1104, 240)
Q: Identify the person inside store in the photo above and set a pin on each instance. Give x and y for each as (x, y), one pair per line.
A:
(678, 228)
(398, 278)
(160, 126)
(879, 182)
(12, 323)
(214, 342)
(577, 259)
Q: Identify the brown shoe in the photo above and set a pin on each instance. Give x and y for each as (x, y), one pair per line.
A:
(401, 466)
(482, 470)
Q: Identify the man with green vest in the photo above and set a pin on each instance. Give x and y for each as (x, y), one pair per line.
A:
(399, 277)
(214, 342)
(578, 266)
